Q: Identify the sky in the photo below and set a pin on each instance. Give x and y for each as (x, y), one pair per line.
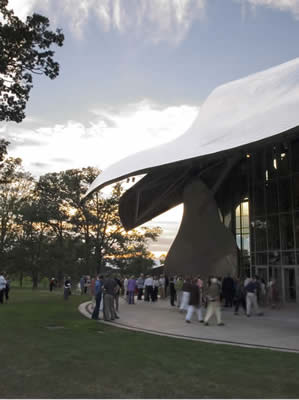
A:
(134, 74)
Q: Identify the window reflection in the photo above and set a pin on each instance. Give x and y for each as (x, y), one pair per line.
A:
(260, 226)
(273, 232)
(272, 198)
(285, 202)
(286, 231)
(259, 203)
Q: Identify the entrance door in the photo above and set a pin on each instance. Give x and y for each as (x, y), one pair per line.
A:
(290, 284)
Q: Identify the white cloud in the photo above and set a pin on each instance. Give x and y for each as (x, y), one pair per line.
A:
(157, 20)
(291, 6)
(110, 136)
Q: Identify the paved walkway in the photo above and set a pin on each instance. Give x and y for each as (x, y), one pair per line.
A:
(277, 329)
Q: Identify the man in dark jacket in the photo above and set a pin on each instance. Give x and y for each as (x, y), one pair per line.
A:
(240, 296)
(228, 290)
(194, 302)
(172, 291)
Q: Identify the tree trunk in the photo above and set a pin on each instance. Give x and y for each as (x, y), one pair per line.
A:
(99, 264)
(21, 279)
(34, 280)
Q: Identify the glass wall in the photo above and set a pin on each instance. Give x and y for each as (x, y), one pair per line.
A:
(267, 215)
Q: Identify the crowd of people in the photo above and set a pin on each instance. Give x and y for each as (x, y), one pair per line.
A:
(188, 294)
(4, 287)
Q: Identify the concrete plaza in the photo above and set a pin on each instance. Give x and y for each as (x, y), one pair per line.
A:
(277, 329)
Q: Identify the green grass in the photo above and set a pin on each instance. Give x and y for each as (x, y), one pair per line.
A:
(87, 359)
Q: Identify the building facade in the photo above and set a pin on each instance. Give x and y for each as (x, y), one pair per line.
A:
(264, 214)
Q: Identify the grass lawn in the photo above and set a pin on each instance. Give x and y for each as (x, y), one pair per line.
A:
(86, 359)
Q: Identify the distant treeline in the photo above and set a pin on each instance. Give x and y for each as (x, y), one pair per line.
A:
(46, 230)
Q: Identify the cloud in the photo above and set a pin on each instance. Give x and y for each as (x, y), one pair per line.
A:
(156, 20)
(291, 6)
(73, 144)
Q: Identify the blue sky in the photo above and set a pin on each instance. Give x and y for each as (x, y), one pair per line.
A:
(135, 72)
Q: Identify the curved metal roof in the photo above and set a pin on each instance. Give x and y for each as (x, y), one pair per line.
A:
(235, 114)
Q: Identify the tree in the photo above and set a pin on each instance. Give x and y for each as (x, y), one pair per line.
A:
(15, 186)
(24, 50)
(3, 149)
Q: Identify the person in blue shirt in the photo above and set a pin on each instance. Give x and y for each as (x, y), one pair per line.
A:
(98, 295)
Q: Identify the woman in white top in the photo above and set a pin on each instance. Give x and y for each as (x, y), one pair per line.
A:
(156, 285)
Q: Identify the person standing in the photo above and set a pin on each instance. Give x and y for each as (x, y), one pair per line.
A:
(213, 298)
(98, 289)
(155, 288)
(109, 291)
(172, 291)
(92, 291)
(82, 284)
(179, 292)
(131, 289)
(7, 288)
(228, 290)
(194, 302)
(166, 285)
(126, 288)
(117, 293)
(186, 289)
(162, 287)
(52, 284)
(2, 287)
(240, 296)
(251, 297)
(148, 288)
(67, 288)
(140, 286)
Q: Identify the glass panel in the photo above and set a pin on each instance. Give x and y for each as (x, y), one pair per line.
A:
(283, 161)
(262, 274)
(288, 258)
(286, 231)
(290, 284)
(297, 229)
(259, 203)
(261, 259)
(272, 197)
(244, 208)
(295, 158)
(245, 245)
(260, 227)
(258, 165)
(271, 163)
(245, 223)
(274, 257)
(285, 202)
(273, 232)
(296, 191)
(252, 236)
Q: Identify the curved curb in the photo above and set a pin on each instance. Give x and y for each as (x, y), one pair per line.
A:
(84, 309)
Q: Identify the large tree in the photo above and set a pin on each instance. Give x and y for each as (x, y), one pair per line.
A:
(24, 50)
